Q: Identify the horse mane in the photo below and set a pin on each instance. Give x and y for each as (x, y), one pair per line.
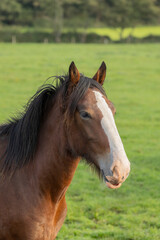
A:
(22, 132)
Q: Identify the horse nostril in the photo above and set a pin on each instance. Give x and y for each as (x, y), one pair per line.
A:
(122, 177)
(116, 172)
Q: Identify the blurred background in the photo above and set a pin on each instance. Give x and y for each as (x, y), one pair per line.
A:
(126, 35)
(99, 21)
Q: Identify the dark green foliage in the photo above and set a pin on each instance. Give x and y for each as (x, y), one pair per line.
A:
(80, 13)
(9, 11)
(59, 14)
(40, 36)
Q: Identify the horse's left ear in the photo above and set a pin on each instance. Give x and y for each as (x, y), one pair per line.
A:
(100, 74)
(74, 74)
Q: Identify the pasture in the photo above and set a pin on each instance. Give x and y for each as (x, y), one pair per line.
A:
(94, 211)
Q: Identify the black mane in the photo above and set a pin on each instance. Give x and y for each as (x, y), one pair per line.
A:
(22, 132)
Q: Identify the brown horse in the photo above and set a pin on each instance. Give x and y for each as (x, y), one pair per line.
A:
(40, 151)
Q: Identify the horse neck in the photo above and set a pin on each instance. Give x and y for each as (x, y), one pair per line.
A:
(54, 165)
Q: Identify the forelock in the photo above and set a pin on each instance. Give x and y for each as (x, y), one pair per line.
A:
(79, 91)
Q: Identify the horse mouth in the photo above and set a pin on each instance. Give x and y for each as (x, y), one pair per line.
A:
(113, 186)
(109, 184)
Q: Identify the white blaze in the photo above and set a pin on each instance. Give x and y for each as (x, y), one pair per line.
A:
(117, 151)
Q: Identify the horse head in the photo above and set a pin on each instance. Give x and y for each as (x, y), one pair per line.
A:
(93, 134)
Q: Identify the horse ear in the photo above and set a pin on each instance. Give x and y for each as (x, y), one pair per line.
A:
(74, 74)
(100, 74)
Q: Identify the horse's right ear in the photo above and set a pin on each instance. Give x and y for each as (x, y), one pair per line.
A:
(74, 74)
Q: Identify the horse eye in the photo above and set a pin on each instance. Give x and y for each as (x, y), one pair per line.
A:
(85, 115)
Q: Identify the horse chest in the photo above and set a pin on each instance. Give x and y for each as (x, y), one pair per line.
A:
(51, 223)
(43, 223)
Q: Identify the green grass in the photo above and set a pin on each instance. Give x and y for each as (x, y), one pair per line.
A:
(95, 212)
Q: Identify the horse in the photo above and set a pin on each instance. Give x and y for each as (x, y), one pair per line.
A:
(41, 148)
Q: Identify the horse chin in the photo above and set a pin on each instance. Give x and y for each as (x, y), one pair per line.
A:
(109, 185)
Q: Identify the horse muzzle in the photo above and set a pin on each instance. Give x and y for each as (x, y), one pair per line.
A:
(116, 180)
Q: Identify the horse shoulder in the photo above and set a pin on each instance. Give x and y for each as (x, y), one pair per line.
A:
(60, 214)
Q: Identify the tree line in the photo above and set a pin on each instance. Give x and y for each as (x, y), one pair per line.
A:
(59, 14)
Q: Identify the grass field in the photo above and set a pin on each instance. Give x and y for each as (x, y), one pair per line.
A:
(133, 84)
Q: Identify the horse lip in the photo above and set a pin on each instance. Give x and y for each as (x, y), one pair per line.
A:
(112, 186)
